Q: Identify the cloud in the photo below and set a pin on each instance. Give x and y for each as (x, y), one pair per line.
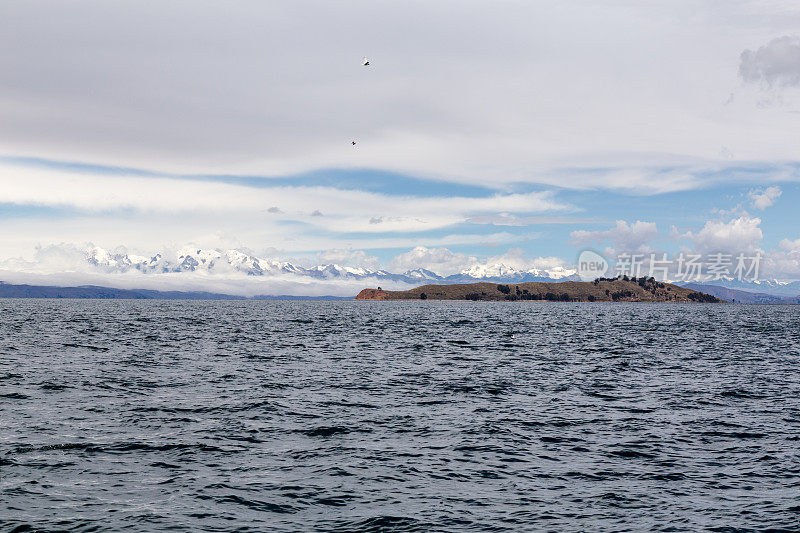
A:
(776, 64)
(507, 219)
(446, 262)
(352, 258)
(235, 284)
(624, 237)
(184, 200)
(764, 198)
(738, 235)
(480, 95)
(98, 193)
(784, 262)
(440, 260)
(518, 259)
(151, 231)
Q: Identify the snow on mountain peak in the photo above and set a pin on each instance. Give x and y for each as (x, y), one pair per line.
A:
(243, 262)
(501, 270)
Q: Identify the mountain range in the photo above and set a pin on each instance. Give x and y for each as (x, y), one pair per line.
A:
(237, 261)
(772, 287)
(227, 264)
(741, 296)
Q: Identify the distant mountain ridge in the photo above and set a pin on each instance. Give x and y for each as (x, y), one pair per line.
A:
(741, 296)
(237, 261)
(772, 287)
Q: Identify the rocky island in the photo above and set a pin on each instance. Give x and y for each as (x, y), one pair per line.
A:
(620, 289)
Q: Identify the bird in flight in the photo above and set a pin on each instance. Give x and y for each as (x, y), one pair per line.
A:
(364, 62)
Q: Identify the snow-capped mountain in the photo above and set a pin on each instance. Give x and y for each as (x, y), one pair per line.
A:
(214, 261)
(333, 271)
(506, 274)
(188, 260)
(422, 274)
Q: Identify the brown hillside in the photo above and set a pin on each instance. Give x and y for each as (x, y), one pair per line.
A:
(603, 290)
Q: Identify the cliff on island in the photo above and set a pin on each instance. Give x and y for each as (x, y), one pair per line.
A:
(600, 290)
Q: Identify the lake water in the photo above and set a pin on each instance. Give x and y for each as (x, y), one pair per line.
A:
(398, 416)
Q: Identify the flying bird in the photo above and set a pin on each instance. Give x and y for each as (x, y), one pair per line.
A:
(354, 143)
(365, 62)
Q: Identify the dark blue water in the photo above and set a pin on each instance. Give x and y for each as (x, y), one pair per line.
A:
(404, 416)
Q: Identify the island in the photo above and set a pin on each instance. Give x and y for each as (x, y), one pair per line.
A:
(620, 289)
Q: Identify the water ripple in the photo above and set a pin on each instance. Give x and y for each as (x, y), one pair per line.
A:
(398, 416)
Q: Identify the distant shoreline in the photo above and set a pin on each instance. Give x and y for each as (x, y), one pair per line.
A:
(94, 292)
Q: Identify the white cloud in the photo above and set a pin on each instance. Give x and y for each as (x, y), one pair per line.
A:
(783, 263)
(238, 285)
(738, 235)
(507, 219)
(518, 259)
(440, 260)
(789, 245)
(764, 198)
(777, 63)
(445, 262)
(352, 258)
(624, 237)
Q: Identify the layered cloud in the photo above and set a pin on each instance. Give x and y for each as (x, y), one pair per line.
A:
(150, 211)
(579, 94)
(356, 210)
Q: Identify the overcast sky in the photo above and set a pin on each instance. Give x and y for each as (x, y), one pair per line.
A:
(480, 127)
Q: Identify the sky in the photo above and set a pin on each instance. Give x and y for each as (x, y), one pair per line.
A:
(509, 131)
